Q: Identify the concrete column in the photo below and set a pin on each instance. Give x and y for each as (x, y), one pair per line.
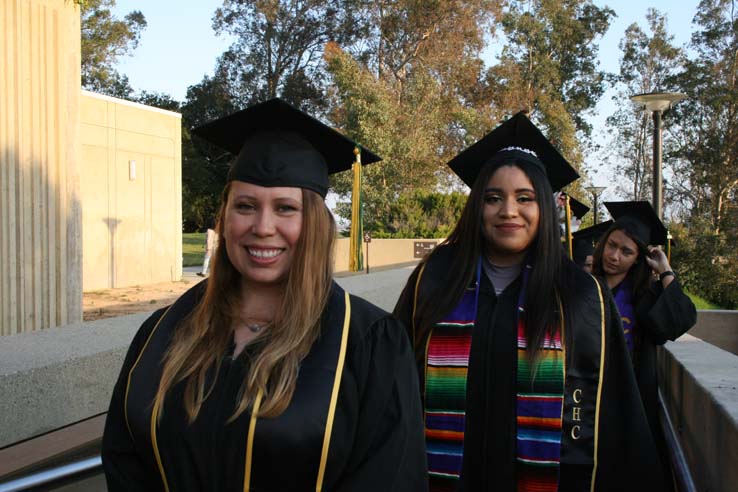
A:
(40, 212)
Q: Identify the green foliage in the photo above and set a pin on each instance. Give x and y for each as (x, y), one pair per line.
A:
(104, 40)
(158, 100)
(408, 92)
(204, 166)
(707, 154)
(422, 214)
(707, 263)
(548, 66)
(278, 47)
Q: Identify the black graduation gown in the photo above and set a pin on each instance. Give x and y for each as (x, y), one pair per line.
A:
(661, 315)
(377, 438)
(626, 457)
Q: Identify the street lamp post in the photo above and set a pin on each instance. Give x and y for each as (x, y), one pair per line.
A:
(657, 103)
(596, 191)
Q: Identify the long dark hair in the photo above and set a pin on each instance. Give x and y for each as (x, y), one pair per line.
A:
(639, 274)
(546, 279)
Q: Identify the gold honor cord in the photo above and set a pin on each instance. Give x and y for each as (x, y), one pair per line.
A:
(250, 442)
(334, 396)
(603, 334)
(154, 445)
(415, 300)
(130, 373)
(568, 228)
(331, 410)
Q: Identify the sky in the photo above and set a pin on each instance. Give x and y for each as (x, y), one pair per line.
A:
(179, 47)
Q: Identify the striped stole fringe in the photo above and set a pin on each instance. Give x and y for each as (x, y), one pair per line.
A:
(447, 362)
(540, 403)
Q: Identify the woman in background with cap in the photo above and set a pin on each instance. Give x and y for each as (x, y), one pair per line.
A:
(652, 312)
(520, 353)
(268, 376)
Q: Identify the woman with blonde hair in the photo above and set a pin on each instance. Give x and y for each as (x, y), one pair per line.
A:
(268, 376)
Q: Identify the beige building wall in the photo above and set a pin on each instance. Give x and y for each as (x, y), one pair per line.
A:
(131, 188)
(382, 252)
(40, 209)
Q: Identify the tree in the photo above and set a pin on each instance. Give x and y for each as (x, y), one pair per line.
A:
(549, 67)
(278, 47)
(649, 63)
(708, 130)
(409, 92)
(706, 177)
(104, 40)
(204, 166)
(158, 100)
(428, 214)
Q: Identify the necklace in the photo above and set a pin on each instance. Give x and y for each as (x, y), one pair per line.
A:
(256, 327)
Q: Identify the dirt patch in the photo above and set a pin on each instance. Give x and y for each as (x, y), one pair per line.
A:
(129, 300)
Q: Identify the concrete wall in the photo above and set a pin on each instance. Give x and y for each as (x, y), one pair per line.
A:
(40, 207)
(56, 377)
(718, 327)
(132, 224)
(698, 382)
(382, 252)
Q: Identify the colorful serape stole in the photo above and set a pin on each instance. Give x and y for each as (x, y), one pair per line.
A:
(447, 363)
(539, 408)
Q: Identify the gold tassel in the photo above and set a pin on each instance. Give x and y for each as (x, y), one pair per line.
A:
(569, 240)
(357, 233)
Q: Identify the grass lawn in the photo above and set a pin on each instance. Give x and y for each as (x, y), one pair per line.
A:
(701, 303)
(193, 248)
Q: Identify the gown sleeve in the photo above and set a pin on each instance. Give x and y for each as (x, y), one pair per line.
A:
(406, 302)
(123, 465)
(388, 452)
(627, 456)
(670, 316)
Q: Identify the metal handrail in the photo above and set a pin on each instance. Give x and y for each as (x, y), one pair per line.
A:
(53, 475)
(682, 475)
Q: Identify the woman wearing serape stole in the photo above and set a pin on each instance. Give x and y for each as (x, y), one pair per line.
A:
(525, 375)
(267, 376)
(652, 311)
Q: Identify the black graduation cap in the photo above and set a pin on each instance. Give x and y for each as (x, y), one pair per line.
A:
(279, 145)
(519, 139)
(578, 209)
(640, 219)
(585, 240)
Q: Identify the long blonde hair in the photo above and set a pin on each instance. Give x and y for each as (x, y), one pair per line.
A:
(205, 335)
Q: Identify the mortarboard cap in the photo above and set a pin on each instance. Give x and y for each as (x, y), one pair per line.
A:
(279, 145)
(578, 209)
(585, 239)
(640, 219)
(519, 139)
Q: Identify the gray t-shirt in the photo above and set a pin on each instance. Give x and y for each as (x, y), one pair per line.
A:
(499, 276)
